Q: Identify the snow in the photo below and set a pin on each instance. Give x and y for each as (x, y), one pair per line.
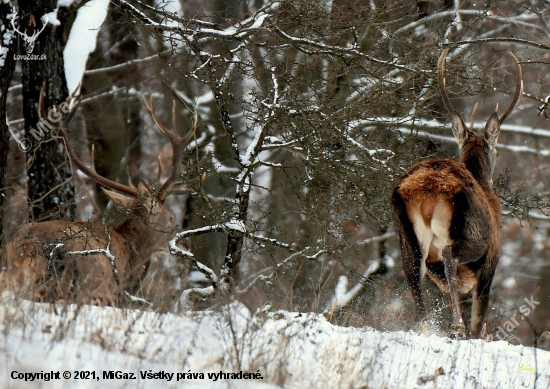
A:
(509, 283)
(344, 297)
(434, 124)
(6, 37)
(169, 5)
(196, 278)
(236, 225)
(4, 51)
(65, 3)
(404, 126)
(288, 349)
(82, 40)
(258, 23)
(51, 17)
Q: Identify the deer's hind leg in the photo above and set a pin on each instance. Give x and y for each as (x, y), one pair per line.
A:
(443, 215)
(480, 296)
(452, 278)
(410, 251)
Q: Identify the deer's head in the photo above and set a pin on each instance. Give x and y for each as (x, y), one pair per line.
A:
(478, 152)
(147, 208)
(143, 207)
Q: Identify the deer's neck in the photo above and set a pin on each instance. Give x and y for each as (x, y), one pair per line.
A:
(477, 160)
(140, 238)
(481, 171)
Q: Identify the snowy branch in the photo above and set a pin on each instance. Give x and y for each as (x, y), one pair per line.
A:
(323, 48)
(204, 30)
(544, 107)
(343, 299)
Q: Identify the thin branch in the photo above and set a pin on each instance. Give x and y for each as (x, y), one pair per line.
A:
(376, 238)
(498, 40)
(273, 270)
(126, 64)
(482, 14)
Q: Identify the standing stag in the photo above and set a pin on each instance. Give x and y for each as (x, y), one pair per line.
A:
(88, 261)
(448, 217)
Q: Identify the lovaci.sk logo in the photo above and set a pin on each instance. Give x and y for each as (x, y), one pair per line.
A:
(29, 40)
(510, 325)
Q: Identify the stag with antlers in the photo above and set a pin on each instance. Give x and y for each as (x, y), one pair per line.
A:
(448, 217)
(89, 261)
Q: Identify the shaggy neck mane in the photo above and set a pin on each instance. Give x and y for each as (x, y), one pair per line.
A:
(140, 232)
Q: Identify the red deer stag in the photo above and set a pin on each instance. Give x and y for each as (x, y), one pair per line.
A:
(88, 261)
(448, 217)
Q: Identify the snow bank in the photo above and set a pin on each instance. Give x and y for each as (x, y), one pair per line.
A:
(288, 349)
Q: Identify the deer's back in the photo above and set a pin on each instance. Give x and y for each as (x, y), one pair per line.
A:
(53, 259)
(436, 177)
(442, 196)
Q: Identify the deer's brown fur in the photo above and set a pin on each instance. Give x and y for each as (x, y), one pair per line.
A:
(56, 259)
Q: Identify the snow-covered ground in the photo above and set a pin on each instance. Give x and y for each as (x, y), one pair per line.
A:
(285, 349)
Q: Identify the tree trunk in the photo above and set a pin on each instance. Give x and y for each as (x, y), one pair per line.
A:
(7, 64)
(51, 190)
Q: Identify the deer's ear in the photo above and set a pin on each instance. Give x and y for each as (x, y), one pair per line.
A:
(145, 194)
(492, 130)
(460, 131)
(120, 200)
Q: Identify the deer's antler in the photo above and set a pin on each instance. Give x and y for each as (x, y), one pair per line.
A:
(519, 89)
(178, 145)
(90, 172)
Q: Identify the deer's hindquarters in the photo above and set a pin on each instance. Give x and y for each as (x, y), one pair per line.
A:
(431, 219)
